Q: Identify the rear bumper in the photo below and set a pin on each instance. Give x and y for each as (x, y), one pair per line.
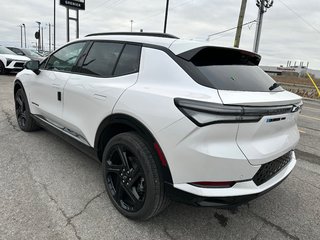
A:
(219, 202)
(239, 193)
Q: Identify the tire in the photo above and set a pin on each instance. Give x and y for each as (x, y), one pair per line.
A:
(23, 115)
(2, 68)
(131, 177)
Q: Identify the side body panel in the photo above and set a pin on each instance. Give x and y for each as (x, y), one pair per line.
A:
(46, 94)
(88, 100)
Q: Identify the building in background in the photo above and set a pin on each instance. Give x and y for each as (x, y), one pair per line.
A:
(298, 69)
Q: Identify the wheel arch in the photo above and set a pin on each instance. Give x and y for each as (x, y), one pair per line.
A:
(17, 86)
(119, 123)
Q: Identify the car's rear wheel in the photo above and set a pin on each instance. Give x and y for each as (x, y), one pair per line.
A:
(131, 177)
(23, 115)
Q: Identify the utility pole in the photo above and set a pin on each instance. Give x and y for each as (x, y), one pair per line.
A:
(263, 6)
(54, 25)
(166, 17)
(131, 24)
(240, 23)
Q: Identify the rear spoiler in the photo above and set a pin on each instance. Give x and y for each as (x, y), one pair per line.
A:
(207, 55)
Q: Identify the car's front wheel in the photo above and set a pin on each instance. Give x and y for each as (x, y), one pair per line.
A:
(24, 119)
(2, 68)
(131, 177)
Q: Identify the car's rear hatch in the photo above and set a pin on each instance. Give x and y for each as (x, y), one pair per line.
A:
(239, 81)
(274, 134)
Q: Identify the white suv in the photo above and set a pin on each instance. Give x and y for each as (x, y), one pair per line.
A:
(9, 61)
(168, 118)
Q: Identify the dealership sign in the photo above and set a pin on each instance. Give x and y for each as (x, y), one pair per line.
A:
(77, 4)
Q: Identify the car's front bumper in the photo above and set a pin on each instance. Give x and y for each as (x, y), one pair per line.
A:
(15, 65)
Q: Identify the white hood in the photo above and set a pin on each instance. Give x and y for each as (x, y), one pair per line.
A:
(16, 57)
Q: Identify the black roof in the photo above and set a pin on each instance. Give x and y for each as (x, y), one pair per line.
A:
(147, 34)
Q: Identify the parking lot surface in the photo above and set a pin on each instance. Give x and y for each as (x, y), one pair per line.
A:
(50, 190)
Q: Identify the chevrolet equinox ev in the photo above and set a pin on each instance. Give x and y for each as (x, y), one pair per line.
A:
(168, 118)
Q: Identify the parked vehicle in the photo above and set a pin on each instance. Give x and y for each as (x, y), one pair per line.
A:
(9, 61)
(32, 54)
(168, 118)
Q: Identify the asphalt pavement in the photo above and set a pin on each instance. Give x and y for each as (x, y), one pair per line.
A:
(50, 190)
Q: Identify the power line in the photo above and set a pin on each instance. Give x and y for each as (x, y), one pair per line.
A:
(299, 16)
(230, 29)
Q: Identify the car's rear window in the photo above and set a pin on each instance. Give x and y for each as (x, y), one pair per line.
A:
(229, 69)
(238, 78)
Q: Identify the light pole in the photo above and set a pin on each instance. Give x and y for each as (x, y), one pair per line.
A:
(39, 40)
(166, 17)
(131, 21)
(42, 38)
(49, 36)
(54, 25)
(263, 6)
(25, 35)
(20, 35)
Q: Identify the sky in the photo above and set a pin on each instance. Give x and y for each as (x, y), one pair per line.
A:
(290, 31)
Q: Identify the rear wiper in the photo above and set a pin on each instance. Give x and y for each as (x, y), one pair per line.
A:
(274, 86)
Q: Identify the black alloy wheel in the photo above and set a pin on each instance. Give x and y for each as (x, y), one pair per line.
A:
(21, 111)
(125, 178)
(132, 177)
(23, 115)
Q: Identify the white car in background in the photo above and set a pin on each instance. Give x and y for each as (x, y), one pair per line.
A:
(168, 118)
(9, 61)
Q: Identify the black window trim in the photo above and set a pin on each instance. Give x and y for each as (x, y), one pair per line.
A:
(188, 67)
(76, 63)
(80, 63)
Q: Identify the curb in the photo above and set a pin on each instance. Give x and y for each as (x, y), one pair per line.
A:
(311, 99)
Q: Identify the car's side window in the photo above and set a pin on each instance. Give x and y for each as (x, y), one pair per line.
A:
(101, 59)
(129, 60)
(65, 58)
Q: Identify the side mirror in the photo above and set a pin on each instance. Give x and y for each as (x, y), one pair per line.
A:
(33, 65)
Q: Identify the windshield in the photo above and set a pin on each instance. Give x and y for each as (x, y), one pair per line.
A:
(4, 50)
(31, 53)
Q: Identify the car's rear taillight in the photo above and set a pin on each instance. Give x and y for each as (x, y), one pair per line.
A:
(205, 113)
(213, 184)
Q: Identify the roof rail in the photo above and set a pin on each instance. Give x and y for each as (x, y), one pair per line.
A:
(147, 34)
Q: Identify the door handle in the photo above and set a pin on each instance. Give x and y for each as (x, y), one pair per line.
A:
(59, 96)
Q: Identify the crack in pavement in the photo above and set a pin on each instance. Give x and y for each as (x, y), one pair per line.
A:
(277, 227)
(85, 207)
(258, 232)
(165, 230)
(65, 215)
(9, 120)
(60, 209)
